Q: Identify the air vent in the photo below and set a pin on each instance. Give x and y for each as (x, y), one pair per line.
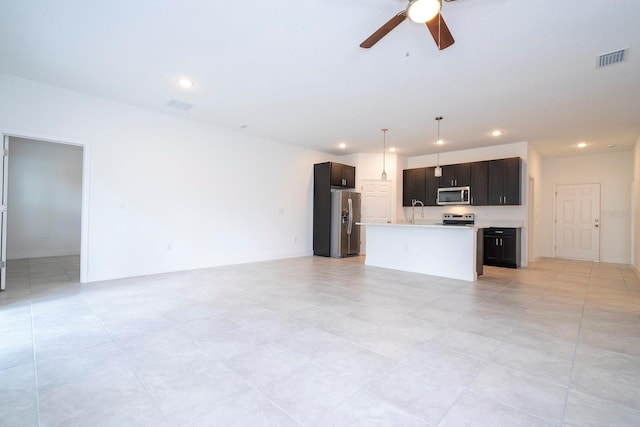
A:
(179, 105)
(612, 58)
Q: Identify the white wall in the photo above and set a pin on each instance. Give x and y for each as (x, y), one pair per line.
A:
(166, 193)
(636, 207)
(614, 172)
(534, 222)
(44, 199)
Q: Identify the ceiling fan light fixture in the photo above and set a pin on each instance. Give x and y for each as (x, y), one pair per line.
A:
(421, 11)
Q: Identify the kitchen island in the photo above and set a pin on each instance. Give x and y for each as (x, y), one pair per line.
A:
(440, 250)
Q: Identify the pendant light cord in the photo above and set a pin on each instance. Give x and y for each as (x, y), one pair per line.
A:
(438, 142)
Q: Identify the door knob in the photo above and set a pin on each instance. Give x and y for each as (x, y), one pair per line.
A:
(596, 226)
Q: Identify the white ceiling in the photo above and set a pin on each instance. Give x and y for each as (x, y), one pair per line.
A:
(293, 71)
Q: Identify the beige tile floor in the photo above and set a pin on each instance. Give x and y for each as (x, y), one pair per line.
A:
(320, 342)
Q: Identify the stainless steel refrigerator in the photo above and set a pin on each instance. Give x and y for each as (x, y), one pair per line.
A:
(345, 213)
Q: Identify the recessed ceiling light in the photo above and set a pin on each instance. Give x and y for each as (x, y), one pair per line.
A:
(185, 83)
(342, 145)
(392, 149)
(439, 142)
(582, 144)
(496, 132)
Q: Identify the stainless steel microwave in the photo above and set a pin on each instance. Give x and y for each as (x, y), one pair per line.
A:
(453, 196)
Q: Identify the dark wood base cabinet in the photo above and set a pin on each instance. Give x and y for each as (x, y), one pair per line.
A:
(502, 247)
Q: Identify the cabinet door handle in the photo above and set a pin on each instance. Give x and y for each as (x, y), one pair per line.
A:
(505, 200)
(497, 242)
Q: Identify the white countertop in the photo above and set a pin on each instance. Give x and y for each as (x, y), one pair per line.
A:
(435, 223)
(418, 225)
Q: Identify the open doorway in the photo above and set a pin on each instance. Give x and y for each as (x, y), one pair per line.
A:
(44, 215)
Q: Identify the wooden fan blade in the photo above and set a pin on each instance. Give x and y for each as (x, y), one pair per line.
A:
(384, 30)
(440, 32)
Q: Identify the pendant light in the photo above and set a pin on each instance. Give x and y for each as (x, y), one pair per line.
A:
(438, 170)
(384, 154)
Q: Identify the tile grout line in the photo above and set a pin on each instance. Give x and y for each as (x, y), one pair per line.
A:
(64, 268)
(253, 387)
(468, 389)
(35, 363)
(575, 351)
(256, 388)
(126, 359)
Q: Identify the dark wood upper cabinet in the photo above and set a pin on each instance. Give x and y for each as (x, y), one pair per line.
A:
(505, 181)
(512, 181)
(492, 182)
(414, 186)
(458, 175)
(342, 176)
(335, 174)
(432, 184)
(479, 183)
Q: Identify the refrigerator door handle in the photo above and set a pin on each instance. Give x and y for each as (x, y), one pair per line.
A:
(350, 223)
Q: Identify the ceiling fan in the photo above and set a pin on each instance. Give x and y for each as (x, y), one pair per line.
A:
(420, 11)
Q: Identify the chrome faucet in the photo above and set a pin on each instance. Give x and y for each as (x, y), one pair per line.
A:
(414, 202)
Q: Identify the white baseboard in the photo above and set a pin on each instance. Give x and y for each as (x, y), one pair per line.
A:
(41, 254)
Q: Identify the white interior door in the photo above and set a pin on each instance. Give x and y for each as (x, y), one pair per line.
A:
(578, 221)
(3, 213)
(376, 205)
